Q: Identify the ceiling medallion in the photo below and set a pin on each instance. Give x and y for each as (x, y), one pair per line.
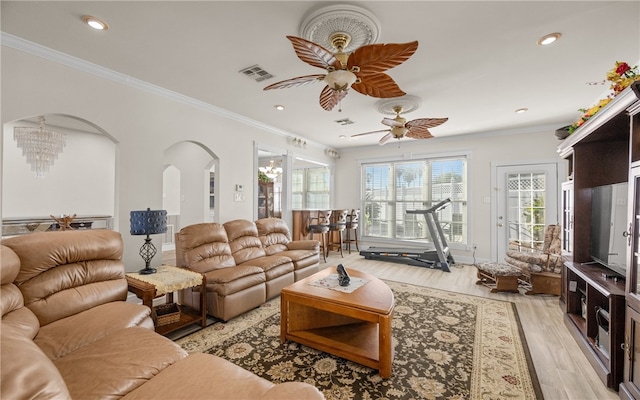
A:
(360, 26)
(408, 103)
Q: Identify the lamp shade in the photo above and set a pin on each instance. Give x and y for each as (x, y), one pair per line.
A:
(148, 222)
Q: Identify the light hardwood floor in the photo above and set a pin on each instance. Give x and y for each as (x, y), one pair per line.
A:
(563, 371)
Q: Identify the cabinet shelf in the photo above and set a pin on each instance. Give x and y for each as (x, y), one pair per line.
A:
(598, 292)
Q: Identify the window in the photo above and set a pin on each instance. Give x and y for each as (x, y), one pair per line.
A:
(310, 188)
(526, 201)
(391, 188)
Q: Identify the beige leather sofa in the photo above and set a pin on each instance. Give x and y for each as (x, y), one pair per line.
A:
(246, 263)
(66, 331)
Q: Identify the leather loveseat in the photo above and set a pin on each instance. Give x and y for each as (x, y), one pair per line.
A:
(67, 331)
(246, 263)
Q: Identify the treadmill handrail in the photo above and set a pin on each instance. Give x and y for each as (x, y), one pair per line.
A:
(434, 208)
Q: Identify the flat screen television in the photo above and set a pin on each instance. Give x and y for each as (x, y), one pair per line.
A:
(608, 227)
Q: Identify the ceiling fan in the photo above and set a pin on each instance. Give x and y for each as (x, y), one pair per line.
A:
(362, 70)
(416, 129)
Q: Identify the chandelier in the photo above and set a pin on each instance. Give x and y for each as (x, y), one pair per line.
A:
(40, 146)
(271, 171)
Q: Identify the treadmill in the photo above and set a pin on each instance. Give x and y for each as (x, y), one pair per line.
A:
(437, 256)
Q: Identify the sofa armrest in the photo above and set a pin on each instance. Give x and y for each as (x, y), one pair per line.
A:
(307, 244)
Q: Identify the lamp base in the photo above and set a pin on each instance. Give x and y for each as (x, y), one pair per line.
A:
(147, 271)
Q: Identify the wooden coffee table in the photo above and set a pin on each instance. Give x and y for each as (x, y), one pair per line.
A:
(355, 326)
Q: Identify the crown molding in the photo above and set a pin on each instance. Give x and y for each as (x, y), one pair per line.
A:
(70, 61)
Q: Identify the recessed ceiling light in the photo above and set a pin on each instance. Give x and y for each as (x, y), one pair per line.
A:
(522, 110)
(548, 39)
(342, 136)
(279, 107)
(95, 23)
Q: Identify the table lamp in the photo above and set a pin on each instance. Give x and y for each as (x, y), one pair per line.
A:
(148, 222)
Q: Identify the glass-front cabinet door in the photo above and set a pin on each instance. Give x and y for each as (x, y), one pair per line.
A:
(630, 388)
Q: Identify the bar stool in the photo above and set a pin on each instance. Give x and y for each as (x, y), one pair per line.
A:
(338, 224)
(320, 225)
(352, 225)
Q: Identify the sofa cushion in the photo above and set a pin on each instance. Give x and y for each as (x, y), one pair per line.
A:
(203, 247)
(268, 263)
(244, 241)
(12, 309)
(227, 281)
(64, 336)
(9, 265)
(118, 363)
(213, 375)
(25, 371)
(70, 272)
(22, 320)
(274, 234)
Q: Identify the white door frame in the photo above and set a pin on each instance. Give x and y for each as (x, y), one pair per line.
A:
(552, 213)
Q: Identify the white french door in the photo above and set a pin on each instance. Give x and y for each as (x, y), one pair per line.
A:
(526, 202)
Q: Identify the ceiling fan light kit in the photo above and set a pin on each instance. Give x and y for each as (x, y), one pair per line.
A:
(362, 69)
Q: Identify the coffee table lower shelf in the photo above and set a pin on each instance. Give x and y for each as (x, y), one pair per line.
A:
(357, 342)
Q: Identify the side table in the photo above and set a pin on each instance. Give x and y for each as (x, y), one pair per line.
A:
(167, 280)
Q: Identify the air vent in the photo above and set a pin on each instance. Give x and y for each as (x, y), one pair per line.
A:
(344, 121)
(256, 72)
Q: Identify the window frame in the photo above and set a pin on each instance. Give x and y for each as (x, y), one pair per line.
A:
(467, 226)
(306, 192)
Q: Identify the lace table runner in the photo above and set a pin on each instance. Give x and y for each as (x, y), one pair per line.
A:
(168, 279)
(331, 282)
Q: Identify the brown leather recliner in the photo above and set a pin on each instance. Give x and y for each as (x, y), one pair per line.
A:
(246, 263)
(276, 239)
(247, 249)
(67, 333)
(231, 289)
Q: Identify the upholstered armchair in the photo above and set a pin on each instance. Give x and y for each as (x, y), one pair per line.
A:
(542, 267)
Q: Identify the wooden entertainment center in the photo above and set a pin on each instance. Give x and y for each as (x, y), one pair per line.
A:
(604, 151)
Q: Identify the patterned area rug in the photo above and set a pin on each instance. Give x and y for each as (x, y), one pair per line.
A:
(447, 346)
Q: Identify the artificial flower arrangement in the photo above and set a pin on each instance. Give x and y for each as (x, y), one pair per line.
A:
(621, 76)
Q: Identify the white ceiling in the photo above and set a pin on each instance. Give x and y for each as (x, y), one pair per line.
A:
(477, 61)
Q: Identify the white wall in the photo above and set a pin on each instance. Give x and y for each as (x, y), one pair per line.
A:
(81, 181)
(484, 149)
(193, 162)
(171, 190)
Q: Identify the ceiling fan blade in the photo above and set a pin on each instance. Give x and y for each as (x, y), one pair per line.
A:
(369, 133)
(296, 82)
(313, 54)
(392, 122)
(419, 132)
(427, 122)
(378, 85)
(329, 97)
(385, 139)
(376, 58)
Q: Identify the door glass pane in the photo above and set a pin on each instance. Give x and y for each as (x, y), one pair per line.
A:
(526, 207)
